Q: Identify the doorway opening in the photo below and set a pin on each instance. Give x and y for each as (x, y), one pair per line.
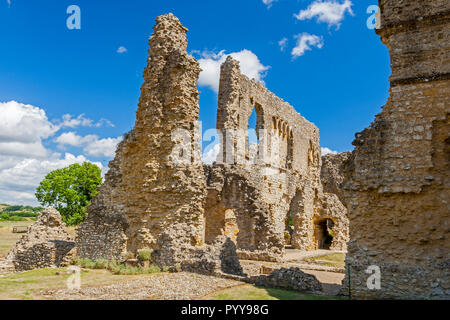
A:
(323, 233)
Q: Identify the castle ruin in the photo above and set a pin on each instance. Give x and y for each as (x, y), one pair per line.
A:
(158, 195)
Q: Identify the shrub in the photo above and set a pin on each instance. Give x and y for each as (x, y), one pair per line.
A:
(101, 264)
(24, 214)
(151, 269)
(115, 267)
(85, 263)
(4, 217)
(145, 254)
(15, 218)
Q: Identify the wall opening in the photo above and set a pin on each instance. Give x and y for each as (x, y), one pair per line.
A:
(323, 233)
(220, 222)
(288, 230)
(255, 123)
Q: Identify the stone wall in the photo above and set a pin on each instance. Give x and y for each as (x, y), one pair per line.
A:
(153, 194)
(266, 185)
(332, 173)
(397, 179)
(46, 244)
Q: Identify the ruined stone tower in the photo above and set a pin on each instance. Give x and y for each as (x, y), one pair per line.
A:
(397, 179)
(153, 194)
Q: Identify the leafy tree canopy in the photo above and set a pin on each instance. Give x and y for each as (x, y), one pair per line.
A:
(70, 190)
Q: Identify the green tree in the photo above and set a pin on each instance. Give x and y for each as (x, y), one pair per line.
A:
(70, 190)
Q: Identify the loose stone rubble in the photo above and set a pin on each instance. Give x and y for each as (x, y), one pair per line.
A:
(289, 279)
(46, 244)
(397, 186)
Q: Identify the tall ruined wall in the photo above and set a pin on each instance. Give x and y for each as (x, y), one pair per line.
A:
(278, 182)
(397, 179)
(154, 192)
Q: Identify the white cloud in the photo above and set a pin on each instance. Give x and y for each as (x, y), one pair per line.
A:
(211, 62)
(269, 3)
(80, 121)
(92, 145)
(326, 151)
(103, 147)
(328, 11)
(122, 50)
(211, 153)
(22, 128)
(24, 160)
(283, 43)
(305, 42)
(9, 2)
(74, 140)
(24, 123)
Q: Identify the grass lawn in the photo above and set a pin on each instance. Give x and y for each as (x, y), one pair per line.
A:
(332, 260)
(29, 285)
(251, 292)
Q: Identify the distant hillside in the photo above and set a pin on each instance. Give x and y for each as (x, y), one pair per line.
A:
(18, 212)
(17, 208)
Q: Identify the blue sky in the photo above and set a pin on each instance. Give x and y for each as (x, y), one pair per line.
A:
(82, 91)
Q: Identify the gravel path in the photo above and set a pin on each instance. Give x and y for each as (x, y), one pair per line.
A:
(172, 286)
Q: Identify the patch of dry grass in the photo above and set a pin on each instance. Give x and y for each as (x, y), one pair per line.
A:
(331, 260)
(251, 292)
(7, 238)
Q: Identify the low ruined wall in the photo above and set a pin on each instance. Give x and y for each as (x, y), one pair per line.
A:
(288, 279)
(46, 244)
(43, 255)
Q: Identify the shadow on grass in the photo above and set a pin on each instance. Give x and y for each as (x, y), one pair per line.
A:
(280, 294)
(251, 292)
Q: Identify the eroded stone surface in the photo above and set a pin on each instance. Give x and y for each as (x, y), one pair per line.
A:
(397, 186)
(332, 173)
